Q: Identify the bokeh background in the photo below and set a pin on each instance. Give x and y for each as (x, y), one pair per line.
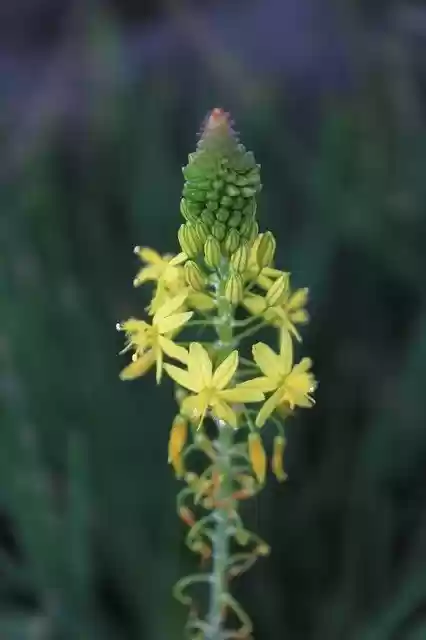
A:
(100, 103)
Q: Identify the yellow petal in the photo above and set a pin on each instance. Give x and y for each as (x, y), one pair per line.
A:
(150, 256)
(262, 383)
(170, 306)
(195, 407)
(181, 377)
(172, 322)
(225, 371)
(269, 407)
(241, 394)
(268, 361)
(301, 316)
(286, 352)
(256, 305)
(173, 350)
(145, 274)
(138, 367)
(180, 258)
(304, 365)
(199, 365)
(298, 299)
(224, 412)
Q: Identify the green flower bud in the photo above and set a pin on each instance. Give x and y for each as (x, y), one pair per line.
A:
(189, 240)
(277, 291)
(212, 253)
(232, 191)
(222, 214)
(217, 185)
(226, 201)
(266, 250)
(221, 181)
(250, 208)
(219, 230)
(235, 220)
(232, 241)
(202, 231)
(239, 259)
(194, 276)
(253, 232)
(246, 226)
(234, 288)
(189, 210)
(212, 196)
(248, 192)
(212, 205)
(208, 217)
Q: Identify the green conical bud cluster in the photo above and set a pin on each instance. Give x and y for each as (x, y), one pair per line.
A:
(222, 180)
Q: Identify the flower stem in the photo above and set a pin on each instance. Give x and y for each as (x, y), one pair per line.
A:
(220, 542)
(220, 538)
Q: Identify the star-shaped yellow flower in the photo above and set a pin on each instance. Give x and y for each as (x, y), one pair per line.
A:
(292, 386)
(152, 341)
(285, 315)
(165, 270)
(210, 387)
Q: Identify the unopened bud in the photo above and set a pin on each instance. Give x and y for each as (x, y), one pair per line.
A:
(232, 241)
(266, 250)
(189, 240)
(202, 231)
(234, 288)
(194, 276)
(219, 230)
(212, 252)
(239, 259)
(277, 291)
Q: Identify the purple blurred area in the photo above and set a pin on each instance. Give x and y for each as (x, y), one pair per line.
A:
(47, 51)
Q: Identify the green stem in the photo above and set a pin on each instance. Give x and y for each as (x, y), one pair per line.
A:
(249, 332)
(220, 542)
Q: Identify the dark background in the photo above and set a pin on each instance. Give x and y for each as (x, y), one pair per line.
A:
(100, 103)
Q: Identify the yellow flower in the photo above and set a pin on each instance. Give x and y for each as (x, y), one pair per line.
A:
(210, 387)
(177, 441)
(165, 269)
(151, 341)
(291, 385)
(257, 456)
(285, 315)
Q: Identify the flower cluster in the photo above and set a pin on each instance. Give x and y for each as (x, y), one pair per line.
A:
(224, 281)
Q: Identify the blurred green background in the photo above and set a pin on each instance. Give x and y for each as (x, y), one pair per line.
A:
(101, 103)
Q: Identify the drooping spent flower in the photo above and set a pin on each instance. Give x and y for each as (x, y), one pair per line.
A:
(257, 456)
(177, 441)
